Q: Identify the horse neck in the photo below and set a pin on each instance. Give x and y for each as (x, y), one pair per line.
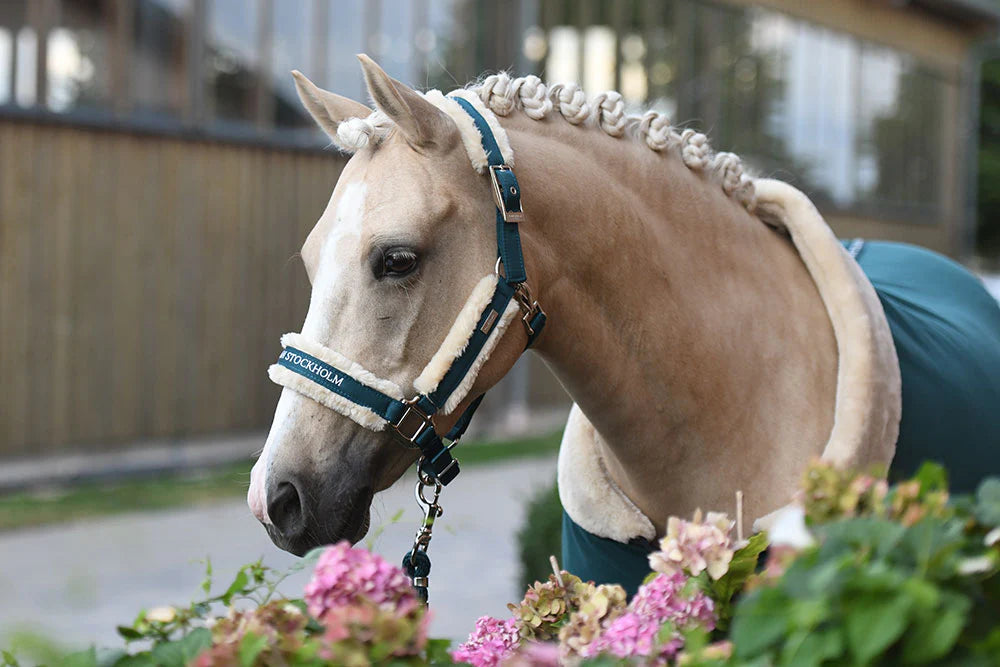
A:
(689, 333)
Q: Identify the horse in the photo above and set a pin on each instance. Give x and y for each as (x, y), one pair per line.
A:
(713, 333)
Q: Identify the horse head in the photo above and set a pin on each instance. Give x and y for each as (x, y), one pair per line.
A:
(392, 260)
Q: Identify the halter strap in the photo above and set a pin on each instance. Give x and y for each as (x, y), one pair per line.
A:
(412, 419)
(506, 196)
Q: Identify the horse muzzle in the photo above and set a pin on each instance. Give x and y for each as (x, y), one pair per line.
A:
(304, 516)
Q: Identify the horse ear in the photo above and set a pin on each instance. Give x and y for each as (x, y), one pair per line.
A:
(327, 109)
(421, 123)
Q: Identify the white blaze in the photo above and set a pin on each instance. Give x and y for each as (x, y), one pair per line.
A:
(335, 262)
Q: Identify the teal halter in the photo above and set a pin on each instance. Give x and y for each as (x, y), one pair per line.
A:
(411, 419)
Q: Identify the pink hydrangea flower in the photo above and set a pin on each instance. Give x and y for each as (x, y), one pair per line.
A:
(343, 575)
(628, 636)
(695, 546)
(534, 654)
(662, 600)
(490, 643)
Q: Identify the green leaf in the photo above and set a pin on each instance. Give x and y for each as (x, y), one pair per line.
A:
(807, 647)
(238, 586)
(931, 543)
(437, 651)
(128, 633)
(935, 634)
(85, 658)
(988, 502)
(869, 533)
(206, 584)
(874, 622)
(144, 659)
(744, 564)
(196, 641)
(9, 660)
(182, 651)
(760, 620)
(932, 477)
(250, 647)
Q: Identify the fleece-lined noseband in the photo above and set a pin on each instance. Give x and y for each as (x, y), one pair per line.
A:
(342, 385)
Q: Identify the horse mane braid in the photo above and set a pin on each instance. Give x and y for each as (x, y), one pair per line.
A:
(503, 94)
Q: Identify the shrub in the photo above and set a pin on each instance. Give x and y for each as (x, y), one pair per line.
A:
(540, 536)
(856, 573)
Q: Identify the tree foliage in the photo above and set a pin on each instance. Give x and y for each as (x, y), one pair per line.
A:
(988, 214)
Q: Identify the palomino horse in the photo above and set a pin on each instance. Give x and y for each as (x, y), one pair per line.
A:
(712, 332)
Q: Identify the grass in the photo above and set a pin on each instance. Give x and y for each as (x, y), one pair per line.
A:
(95, 499)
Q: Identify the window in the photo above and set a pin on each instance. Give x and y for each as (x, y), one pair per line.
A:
(232, 62)
(344, 41)
(292, 49)
(6, 71)
(899, 140)
(159, 54)
(856, 126)
(79, 58)
(393, 41)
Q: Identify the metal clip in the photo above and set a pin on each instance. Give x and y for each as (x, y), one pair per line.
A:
(529, 307)
(432, 510)
(498, 198)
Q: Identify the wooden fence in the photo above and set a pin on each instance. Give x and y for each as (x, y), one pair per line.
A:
(144, 282)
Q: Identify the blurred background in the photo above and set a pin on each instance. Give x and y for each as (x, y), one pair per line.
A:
(158, 176)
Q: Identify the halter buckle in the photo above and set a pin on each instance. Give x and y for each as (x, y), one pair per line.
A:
(413, 422)
(499, 196)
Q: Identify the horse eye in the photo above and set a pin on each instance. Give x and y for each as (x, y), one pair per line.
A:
(399, 262)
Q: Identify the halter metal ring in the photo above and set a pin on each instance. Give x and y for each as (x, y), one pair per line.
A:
(413, 422)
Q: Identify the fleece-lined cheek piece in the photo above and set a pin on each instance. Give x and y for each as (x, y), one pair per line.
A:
(457, 340)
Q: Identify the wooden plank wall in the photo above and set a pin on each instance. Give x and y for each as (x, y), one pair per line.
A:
(144, 283)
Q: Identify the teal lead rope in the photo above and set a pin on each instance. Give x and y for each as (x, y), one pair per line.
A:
(416, 562)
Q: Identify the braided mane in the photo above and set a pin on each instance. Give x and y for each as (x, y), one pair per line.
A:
(503, 94)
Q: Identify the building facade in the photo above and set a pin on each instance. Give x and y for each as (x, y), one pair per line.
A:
(157, 174)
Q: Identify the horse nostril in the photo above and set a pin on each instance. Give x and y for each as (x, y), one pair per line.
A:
(284, 507)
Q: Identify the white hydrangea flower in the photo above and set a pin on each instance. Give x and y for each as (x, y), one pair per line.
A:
(696, 546)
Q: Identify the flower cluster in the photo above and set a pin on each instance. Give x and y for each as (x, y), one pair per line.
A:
(639, 631)
(546, 605)
(366, 606)
(491, 642)
(909, 503)
(695, 546)
(363, 633)
(598, 608)
(279, 624)
(363, 610)
(590, 620)
(829, 493)
(534, 654)
(344, 575)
